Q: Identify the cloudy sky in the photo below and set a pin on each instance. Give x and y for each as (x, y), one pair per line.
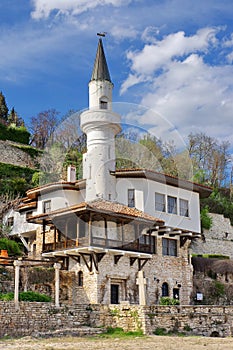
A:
(173, 57)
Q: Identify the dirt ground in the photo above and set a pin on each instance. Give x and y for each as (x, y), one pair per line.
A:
(150, 343)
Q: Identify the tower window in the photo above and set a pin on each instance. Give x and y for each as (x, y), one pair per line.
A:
(103, 104)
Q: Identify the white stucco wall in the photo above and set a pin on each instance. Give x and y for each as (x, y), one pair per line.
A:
(21, 226)
(60, 199)
(145, 200)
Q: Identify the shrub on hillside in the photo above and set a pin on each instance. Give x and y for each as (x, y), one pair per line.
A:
(11, 246)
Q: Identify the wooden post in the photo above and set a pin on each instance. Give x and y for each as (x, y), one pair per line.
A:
(57, 267)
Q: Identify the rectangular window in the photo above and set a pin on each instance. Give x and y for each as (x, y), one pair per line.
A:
(160, 204)
(169, 247)
(10, 221)
(184, 207)
(46, 206)
(172, 205)
(131, 198)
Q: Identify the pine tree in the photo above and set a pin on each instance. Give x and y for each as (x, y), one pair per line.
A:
(3, 109)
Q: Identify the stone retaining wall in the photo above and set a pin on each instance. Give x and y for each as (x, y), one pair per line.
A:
(11, 154)
(36, 318)
(217, 240)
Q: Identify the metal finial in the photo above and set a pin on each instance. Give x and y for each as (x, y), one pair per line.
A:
(102, 34)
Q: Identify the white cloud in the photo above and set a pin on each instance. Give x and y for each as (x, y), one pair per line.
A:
(178, 84)
(44, 8)
(173, 46)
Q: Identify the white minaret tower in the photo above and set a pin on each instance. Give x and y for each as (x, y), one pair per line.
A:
(101, 125)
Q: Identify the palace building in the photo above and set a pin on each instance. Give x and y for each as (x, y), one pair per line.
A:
(122, 234)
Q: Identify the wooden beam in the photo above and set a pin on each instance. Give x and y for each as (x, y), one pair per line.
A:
(142, 263)
(117, 258)
(89, 266)
(132, 261)
(75, 258)
(100, 256)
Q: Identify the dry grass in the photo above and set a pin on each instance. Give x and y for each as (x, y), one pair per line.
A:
(144, 343)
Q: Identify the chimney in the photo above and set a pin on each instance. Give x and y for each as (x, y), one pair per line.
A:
(71, 173)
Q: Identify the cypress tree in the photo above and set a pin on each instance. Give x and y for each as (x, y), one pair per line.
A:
(3, 109)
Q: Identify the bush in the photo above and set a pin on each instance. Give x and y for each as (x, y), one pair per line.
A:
(7, 297)
(168, 301)
(206, 220)
(160, 331)
(33, 296)
(26, 296)
(11, 246)
(16, 134)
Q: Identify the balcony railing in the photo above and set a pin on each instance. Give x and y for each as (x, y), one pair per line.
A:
(135, 246)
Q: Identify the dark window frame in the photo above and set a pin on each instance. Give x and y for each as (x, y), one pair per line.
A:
(160, 205)
(47, 206)
(171, 205)
(131, 199)
(169, 247)
(184, 207)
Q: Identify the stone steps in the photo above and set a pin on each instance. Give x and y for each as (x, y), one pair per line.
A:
(71, 332)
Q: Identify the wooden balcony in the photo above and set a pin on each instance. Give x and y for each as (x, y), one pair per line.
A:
(134, 246)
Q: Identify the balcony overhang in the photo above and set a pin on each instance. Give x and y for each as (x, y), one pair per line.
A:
(96, 250)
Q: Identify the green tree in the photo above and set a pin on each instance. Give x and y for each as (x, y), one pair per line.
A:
(13, 118)
(3, 109)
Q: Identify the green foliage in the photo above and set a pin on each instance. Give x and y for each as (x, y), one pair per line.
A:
(168, 301)
(31, 151)
(33, 296)
(220, 202)
(7, 296)
(160, 331)
(3, 108)
(11, 246)
(15, 180)
(206, 220)
(119, 333)
(26, 296)
(219, 289)
(211, 256)
(13, 133)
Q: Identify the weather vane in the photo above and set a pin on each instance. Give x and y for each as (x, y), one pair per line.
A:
(102, 34)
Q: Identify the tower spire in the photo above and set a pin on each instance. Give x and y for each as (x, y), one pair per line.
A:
(100, 70)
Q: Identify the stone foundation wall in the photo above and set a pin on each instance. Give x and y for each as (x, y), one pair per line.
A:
(217, 240)
(35, 318)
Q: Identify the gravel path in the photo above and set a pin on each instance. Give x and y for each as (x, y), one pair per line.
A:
(145, 343)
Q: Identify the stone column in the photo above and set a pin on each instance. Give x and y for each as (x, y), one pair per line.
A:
(141, 282)
(57, 267)
(17, 264)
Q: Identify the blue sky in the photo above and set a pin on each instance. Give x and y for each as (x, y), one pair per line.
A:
(173, 57)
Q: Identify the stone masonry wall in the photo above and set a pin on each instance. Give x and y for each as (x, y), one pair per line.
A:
(11, 154)
(217, 240)
(37, 318)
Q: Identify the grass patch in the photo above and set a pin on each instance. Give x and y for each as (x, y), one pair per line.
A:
(119, 333)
